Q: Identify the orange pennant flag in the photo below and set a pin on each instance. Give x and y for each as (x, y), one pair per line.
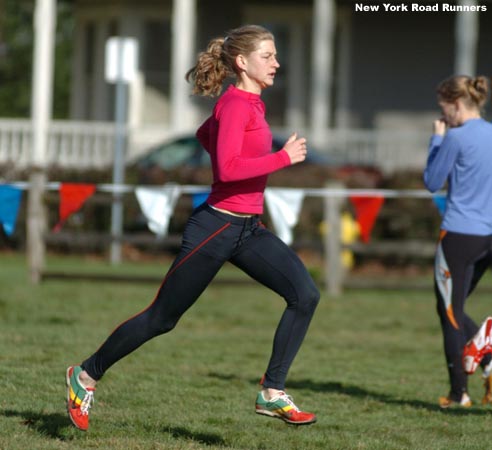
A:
(366, 212)
(72, 197)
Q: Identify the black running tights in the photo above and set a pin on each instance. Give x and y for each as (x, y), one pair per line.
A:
(210, 239)
(460, 262)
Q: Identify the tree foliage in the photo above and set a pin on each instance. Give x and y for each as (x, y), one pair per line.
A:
(16, 57)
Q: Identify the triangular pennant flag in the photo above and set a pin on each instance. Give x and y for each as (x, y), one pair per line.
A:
(199, 198)
(284, 206)
(157, 205)
(440, 202)
(72, 197)
(366, 212)
(10, 198)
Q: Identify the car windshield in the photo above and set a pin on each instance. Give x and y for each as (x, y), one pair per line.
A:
(184, 151)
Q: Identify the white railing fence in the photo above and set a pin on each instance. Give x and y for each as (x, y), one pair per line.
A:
(389, 150)
(85, 145)
(15, 142)
(70, 144)
(81, 144)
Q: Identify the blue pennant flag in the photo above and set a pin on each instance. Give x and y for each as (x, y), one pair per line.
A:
(199, 198)
(10, 198)
(440, 202)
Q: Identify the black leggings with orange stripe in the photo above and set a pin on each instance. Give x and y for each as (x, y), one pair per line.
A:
(210, 239)
(461, 260)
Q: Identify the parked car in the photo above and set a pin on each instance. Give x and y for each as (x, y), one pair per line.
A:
(187, 150)
(183, 160)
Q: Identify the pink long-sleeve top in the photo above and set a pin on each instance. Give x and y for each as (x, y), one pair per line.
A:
(239, 142)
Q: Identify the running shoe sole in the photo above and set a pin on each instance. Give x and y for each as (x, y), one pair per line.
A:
(268, 413)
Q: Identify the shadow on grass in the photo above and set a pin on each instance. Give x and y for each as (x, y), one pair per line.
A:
(52, 425)
(45, 424)
(202, 438)
(359, 392)
(224, 377)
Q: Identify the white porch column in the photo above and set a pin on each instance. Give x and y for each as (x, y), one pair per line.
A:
(466, 38)
(182, 59)
(42, 80)
(296, 94)
(322, 67)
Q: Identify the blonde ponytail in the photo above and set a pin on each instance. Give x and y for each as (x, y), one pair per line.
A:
(218, 61)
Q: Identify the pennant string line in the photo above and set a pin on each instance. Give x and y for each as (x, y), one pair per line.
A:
(157, 202)
(309, 192)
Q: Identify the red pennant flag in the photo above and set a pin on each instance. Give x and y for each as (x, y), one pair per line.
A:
(72, 197)
(366, 212)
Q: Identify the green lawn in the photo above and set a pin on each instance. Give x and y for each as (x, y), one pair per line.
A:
(371, 367)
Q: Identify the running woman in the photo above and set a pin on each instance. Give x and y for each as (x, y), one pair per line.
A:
(460, 153)
(226, 228)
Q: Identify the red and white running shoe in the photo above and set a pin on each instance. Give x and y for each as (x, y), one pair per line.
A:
(477, 347)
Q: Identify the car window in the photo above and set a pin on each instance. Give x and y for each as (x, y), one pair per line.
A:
(176, 153)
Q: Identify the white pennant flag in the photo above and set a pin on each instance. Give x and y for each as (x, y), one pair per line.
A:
(158, 204)
(284, 206)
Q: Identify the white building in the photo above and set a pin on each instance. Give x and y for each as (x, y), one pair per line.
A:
(357, 82)
(342, 67)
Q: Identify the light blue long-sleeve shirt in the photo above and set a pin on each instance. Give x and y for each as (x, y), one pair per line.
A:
(463, 158)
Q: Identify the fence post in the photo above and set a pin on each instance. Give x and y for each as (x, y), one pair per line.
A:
(36, 224)
(333, 270)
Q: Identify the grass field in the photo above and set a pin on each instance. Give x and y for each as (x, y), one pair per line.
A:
(371, 367)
